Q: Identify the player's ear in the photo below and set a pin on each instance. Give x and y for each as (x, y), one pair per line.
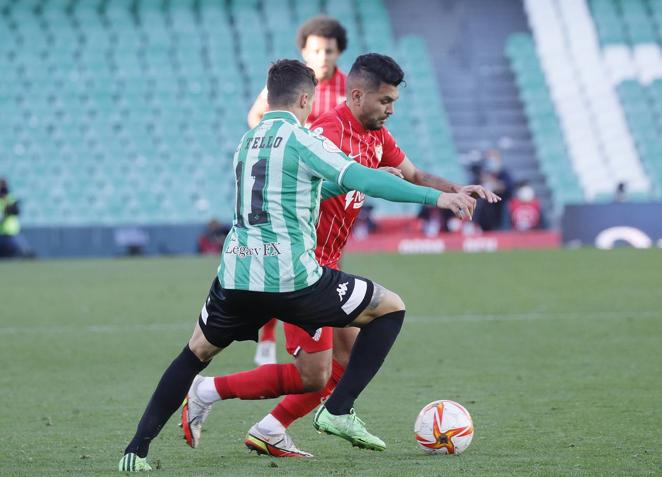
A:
(304, 100)
(356, 96)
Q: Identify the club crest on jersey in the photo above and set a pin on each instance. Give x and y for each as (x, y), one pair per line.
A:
(379, 150)
(355, 199)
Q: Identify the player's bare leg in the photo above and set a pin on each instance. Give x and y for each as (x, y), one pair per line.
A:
(269, 436)
(380, 324)
(296, 406)
(343, 342)
(309, 372)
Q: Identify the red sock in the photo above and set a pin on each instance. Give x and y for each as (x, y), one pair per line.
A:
(294, 406)
(267, 381)
(269, 331)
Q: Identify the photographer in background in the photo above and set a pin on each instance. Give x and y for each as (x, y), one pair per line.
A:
(10, 241)
(211, 240)
(495, 178)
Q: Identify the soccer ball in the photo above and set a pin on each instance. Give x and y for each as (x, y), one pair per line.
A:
(444, 427)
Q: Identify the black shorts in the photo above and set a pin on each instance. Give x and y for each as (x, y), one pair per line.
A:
(236, 315)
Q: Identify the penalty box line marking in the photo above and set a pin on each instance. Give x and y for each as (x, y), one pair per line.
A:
(412, 319)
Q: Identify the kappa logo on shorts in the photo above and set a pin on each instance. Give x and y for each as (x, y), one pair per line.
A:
(342, 290)
(318, 334)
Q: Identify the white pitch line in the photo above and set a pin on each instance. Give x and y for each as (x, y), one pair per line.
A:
(95, 329)
(537, 316)
(412, 319)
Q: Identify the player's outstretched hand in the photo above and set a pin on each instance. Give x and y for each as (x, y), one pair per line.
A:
(477, 191)
(392, 170)
(462, 205)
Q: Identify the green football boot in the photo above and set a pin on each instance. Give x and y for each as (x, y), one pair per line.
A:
(349, 427)
(132, 463)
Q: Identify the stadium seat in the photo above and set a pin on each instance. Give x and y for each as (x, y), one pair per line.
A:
(543, 121)
(112, 104)
(591, 116)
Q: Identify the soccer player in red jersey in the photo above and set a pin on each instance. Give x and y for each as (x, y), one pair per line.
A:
(321, 41)
(357, 128)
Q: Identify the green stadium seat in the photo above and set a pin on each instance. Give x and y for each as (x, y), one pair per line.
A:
(543, 121)
(113, 102)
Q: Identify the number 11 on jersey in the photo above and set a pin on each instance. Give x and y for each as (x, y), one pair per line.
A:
(257, 215)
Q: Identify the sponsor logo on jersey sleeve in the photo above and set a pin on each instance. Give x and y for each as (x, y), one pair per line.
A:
(355, 199)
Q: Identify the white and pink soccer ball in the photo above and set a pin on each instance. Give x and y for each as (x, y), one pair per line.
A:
(444, 427)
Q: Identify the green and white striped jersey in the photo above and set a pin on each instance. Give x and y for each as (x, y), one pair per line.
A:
(279, 168)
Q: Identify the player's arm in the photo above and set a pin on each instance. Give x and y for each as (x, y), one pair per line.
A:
(324, 159)
(331, 189)
(417, 176)
(383, 185)
(258, 109)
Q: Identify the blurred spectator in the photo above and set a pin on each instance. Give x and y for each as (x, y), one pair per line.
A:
(132, 240)
(621, 194)
(437, 220)
(365, 224)
(433, 220)
(494, 177)
(11, 243)
(524, 209)
(211, 240)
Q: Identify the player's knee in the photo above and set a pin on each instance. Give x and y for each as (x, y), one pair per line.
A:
(315, 376)
(392, 303)
(342, 357)
(200, 347)
(202, 352)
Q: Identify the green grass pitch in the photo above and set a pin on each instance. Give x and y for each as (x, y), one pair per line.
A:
(556, 354)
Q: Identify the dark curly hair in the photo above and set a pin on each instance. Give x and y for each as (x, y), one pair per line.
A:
(325, 27)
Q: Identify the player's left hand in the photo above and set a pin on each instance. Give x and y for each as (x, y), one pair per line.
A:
(478, 191)
(392, 170)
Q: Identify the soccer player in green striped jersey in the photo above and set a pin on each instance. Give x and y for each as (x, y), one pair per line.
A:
(268, 267)
(279, 168)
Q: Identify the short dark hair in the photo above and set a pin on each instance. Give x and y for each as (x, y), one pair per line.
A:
(323, 26)
(286, 80)
(376, 69)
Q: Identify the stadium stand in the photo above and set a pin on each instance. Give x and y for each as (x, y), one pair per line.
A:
(479, 91)
(629, 34)
(125, 111)
(599, 141)
(543, 121)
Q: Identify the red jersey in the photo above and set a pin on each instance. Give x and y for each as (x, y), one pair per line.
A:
(370, 148)
(328, 94)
